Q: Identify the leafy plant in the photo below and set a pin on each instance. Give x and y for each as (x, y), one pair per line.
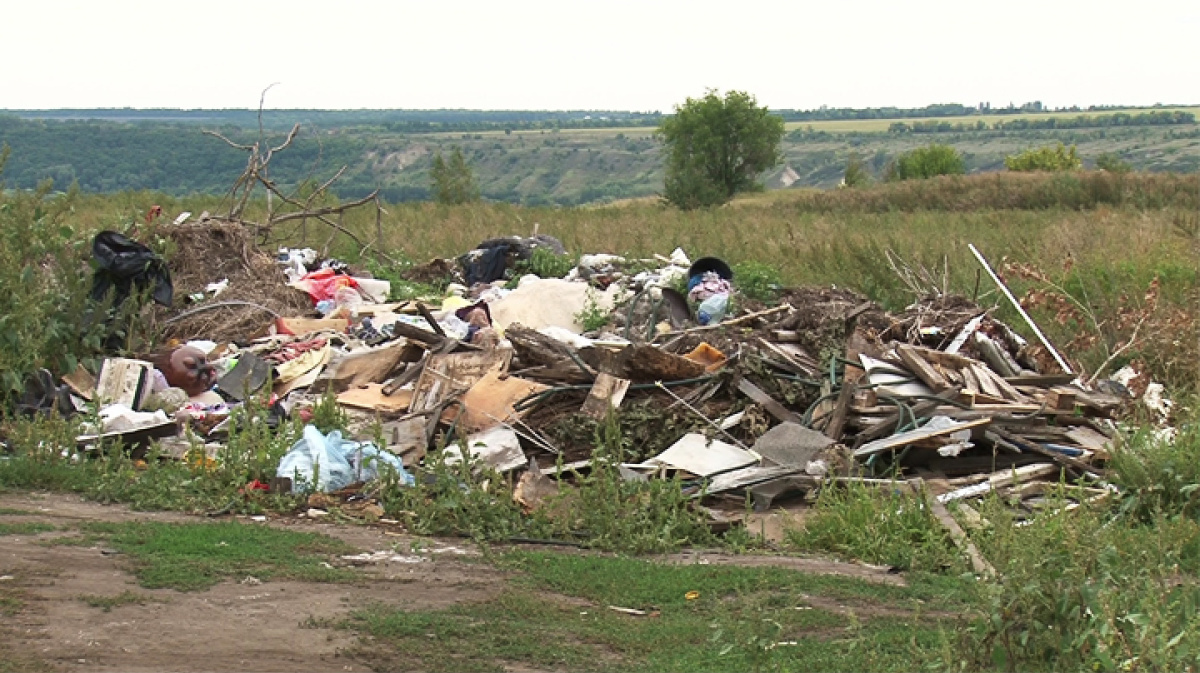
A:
(1050, 159)
(592, 316)
(757, 281)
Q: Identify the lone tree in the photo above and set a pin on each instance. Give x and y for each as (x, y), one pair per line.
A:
(453, 181)
(716, 147)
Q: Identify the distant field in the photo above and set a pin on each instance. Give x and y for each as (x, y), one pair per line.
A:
(881, 125)
(837, 126)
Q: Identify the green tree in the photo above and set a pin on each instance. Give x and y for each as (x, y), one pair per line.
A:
(927, 162)
(453, 180)
(856, 174)
(1058, 158)
(716, 147)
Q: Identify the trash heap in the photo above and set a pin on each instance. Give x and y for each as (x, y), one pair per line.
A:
(739, 399)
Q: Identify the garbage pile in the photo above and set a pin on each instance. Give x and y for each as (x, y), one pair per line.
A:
(515, 372)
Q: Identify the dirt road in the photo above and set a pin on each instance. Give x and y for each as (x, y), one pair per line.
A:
(244, 625)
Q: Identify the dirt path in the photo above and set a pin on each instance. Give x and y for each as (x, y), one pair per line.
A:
(242, 626)
(246, 625)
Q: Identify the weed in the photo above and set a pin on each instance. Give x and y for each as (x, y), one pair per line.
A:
(592, 316)
(757, 281)
(887, 525)
(191, 557)
(1158, 477)
(545, 263)
(107, 603)
(25, 528)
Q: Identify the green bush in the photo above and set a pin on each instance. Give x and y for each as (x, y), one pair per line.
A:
(927, 162)
(1057, 158)
(44, 286)
(1158, 477)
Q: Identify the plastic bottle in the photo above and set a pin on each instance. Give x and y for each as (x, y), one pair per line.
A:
(712, 310)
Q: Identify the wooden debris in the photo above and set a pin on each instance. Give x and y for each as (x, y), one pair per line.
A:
(371, 396)
(767, 402)
(607, 393)
(451, 373)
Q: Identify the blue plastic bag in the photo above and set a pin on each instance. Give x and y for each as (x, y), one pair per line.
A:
(335, 463)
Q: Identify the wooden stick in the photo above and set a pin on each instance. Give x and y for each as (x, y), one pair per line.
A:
(728, 323)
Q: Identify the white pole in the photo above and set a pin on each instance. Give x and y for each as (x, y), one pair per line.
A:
(1000, 284)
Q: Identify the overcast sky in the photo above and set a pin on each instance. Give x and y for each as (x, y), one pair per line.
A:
(603, 54)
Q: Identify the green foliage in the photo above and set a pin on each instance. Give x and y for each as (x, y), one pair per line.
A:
(1050, 159)
(453, 181)
(926, 162)
(1079, 591)
(593, 316)
(879, 525)
(1158, 477)
(1113, 163)
(716, 147)
(757, 281)
(25, 528)
(43, 286)
(545, 263)
(856, 173)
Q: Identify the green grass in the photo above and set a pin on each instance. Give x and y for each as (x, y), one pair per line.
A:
(25, 528)
(107, 603)
(6, 511)
(193, 557)
(556, 615)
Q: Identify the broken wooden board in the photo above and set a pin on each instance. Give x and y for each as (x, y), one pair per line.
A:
(366, 366)
(923, 370)
(767, 402)
(450, 373)
(1001, 479)
(1060, 398)
(703, 457)
(648, 364)
(1091, 440)
(607, 393)
(491, 399)
(81, 382)
(124, 381)
(957, 534)
(302, 326)
(914, 436)
(370, 396)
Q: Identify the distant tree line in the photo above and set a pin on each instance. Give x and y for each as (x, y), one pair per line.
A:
(1163, 118)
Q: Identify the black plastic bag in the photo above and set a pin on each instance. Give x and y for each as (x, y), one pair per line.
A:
(123, 265)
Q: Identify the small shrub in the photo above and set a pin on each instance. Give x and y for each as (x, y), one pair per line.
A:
(757, 281)
(1113, 163)
(1050, 159)
(927, 162)
(545, 263)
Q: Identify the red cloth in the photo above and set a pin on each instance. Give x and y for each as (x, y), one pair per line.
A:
(324, 283)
